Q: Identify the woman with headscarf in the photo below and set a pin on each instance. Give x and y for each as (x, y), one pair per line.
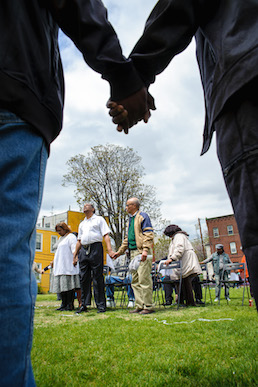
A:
(66, 276)
(181, 249)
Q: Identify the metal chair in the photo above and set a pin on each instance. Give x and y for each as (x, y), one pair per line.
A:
(234, 266)
(157, 287)
(173, 265)
(206, 282)
(121, 272)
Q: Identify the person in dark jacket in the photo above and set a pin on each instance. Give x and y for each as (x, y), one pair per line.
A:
(31, 113)
(227, 53)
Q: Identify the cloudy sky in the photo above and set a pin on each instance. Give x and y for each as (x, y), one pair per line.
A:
(189, 186)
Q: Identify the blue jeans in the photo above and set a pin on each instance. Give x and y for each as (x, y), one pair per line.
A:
(112, 279)
(22, 171)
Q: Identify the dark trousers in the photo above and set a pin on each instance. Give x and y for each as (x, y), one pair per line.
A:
(168, 289)
(197, 288)
(187, 291)
(237, 148)
(91, 262)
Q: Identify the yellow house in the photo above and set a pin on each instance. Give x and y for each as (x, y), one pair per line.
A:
(46, 238)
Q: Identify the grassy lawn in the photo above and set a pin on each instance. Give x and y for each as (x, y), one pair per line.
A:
(169, 347)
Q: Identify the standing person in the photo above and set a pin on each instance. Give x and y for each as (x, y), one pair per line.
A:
(92, 230)
(227, 53)
(31, 114)
(219, 259)
(180, 248)
(139, 241)
(65, 275)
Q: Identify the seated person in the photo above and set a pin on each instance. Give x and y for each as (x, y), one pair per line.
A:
(112, 279)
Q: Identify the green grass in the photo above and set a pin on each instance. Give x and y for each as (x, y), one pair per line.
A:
(169, 347)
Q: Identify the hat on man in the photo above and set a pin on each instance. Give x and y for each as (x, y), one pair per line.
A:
(219, 246)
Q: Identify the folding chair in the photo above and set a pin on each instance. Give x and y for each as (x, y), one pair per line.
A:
(157, 285)
(230, 267)
(206, 282)
(121, 272)
(173, 265)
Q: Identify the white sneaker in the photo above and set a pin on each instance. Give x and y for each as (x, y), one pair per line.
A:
(110, 304)
(130, 304)
(216, 299)
(228, 299)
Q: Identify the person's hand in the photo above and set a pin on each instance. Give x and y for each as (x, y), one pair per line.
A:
(131, 110)
(115, 255)
(144, 256)
(168, 261)
(111, 253)
(75, 260)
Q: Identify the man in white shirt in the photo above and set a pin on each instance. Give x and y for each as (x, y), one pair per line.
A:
(92, 230)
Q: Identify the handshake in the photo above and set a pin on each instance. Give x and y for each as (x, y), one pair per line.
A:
(129, 111)
(113, 255)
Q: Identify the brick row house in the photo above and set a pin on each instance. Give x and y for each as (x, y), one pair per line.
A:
(223, 229)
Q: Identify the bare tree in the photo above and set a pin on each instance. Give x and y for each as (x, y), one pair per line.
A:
(108, 176)
(161, 247)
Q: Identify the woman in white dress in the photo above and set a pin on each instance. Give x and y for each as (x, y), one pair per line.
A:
(66, 276)
(181, 249)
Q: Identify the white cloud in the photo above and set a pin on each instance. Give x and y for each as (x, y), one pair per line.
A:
(189, 186)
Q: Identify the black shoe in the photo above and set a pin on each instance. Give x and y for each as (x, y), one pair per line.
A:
(69, 307)
(81, 310)
(101, 310)
(200, 302)
(61, 308)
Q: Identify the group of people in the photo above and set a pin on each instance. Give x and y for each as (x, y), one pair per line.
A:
(79, 261)
(83, 258)
(31, 114)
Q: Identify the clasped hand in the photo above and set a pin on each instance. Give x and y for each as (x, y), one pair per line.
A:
(129, 111)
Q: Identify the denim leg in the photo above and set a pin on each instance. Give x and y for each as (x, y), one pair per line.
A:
(217, 288)
(22, 170)
(109, 288)
(130, 293)
(226, 285)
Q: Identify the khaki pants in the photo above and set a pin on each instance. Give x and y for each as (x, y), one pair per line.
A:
(142, 283)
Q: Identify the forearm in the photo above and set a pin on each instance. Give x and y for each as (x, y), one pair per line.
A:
(86, 23)
(148, 239)
(123, 247)
(207, 260)
(108, 243)
(168, 31)
(77, 248)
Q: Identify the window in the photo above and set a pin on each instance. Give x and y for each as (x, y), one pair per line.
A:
(233, 248)
(39, 238)
(47, 225)
(215, 232)
(53, 242)
(230, 230)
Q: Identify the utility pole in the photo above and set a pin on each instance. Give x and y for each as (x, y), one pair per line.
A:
(200, 228)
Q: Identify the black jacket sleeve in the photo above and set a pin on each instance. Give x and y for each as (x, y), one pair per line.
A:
(86, 23)
(168, 31)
